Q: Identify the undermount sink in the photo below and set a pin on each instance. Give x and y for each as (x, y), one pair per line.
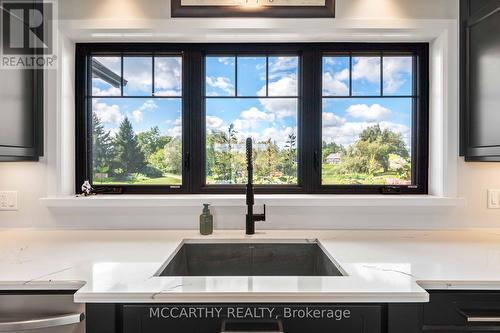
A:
(250, 258)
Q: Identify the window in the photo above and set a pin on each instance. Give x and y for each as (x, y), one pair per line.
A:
(251, 96)
(136, 120)
(325, 118)
(367, 104)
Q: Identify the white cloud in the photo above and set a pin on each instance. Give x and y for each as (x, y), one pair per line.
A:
(250, 119)
(366, 68)
(110, 91)
(176, 131)
(348, 133)
(221, 82)
(214, 123)
(278, 65)
(138, 116)
(228, 61)
(332, 120)
(281, 107)
(396, 71)
(109, 114)
(138, 73)
(334, 85)
(286, 86)
(149, 105)
(373, 113)
(254, 114)
(168, 76)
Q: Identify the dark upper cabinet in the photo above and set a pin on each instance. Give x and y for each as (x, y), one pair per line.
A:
(480, 80)
(21, 114)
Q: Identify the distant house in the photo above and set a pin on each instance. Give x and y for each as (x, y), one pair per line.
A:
(334, 158)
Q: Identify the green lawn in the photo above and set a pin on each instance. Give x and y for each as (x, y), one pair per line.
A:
(169, 179)
(331, 175)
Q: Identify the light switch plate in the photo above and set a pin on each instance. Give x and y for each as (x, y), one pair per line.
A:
(8, 200)
(494, 199)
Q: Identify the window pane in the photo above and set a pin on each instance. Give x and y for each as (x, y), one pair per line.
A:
(283, 76)
(366, 76)
(168, 76)
(272, 123)
(367, 141)
(251, 76)
(137, 141)
(220, 76)
(398, 76)
(106, 76)
(137, 73)
(336, 76)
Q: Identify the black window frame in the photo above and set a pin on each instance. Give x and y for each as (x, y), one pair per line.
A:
(309, 118)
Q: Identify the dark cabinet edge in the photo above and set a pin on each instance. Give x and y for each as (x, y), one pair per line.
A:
(36, 150)
(467, 20)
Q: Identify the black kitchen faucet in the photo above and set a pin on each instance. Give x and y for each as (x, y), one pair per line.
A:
(251, 218)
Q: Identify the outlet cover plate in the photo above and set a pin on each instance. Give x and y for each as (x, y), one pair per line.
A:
(8, 200)
(494, 199)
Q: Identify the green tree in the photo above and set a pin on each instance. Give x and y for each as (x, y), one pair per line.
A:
(151, 141)
(102, 146)
(266, 162)
(223, 159)
(372, 150)
(173, 156)
(157, 160)
(129, 157)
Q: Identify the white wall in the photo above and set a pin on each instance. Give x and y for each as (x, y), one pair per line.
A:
(149, 19)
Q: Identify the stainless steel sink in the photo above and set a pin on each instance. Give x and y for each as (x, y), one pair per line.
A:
(250, 258)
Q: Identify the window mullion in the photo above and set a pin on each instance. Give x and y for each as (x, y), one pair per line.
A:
(310, 120)
(195, 121)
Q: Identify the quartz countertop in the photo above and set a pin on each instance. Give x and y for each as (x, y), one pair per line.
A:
(120, 266)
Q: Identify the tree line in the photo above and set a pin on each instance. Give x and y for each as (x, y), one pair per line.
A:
(150, 154)
(127, 155)
(226, 159)
(375, 150)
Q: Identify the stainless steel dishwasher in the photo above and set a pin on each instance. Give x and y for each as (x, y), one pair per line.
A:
(41, 313)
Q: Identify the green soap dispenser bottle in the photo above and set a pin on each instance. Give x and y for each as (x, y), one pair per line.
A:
(206, 221)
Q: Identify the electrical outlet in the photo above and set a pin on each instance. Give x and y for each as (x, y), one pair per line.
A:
(494, 199)
(8, 200)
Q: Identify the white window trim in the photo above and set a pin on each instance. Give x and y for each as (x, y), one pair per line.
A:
(444, 97)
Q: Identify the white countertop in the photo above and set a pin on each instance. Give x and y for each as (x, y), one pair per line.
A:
(119, 266)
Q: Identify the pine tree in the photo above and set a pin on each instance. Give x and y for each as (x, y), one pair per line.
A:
(129, 156)
(102, 146)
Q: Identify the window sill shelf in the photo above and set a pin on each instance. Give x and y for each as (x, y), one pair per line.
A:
(290, 200)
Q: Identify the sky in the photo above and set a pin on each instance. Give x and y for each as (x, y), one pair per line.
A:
(143, 112)
(344, 117)
(257, 115)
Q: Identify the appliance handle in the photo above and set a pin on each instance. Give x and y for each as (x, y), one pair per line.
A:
(483, 319)
(224, 329)
(39, 323)
(480, 316)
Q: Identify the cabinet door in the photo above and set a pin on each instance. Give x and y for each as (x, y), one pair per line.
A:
(256, 318)
(480, 137)
(21, 120)
(448, 312)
